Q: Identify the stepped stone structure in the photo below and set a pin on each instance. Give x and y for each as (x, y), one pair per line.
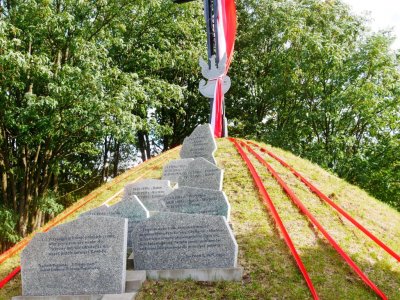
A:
(176, 234)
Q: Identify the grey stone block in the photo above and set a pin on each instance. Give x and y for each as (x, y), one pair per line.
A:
(175, 168)
(134, 280)
(83, 257)
(202, 174)
(213, 274)
(192, 200)
(200, 143)
(129, 207)
(125, 296)
(184, 241)
(149, 191)
(66, 297)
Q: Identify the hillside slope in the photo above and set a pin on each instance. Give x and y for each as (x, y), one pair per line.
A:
(270, 271)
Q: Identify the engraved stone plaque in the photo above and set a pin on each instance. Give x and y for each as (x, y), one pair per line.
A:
(175, 168)
(85, 256)
(197, 201)
(149, 191)
(184, 241)
(200, 143)
(129, 207)
(202, 174)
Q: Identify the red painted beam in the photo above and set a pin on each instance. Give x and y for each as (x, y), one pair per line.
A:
(315, 222)
(272, 210)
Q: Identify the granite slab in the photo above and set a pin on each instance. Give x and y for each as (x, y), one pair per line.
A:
(211, 274)
(149, 191)
(125, 296)
(201, 143)
(184, 241)
(129, 207)
(86, 256)
(192, 200)
(175, 168)
(202, 174)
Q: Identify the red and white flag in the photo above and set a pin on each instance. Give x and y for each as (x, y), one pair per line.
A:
(226, 24)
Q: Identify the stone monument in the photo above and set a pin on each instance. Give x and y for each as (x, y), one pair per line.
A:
(149, 191)
(83, 257)
(192, 200)
(130, 207)
(202, 174)
(200, 143)
(175, 168)
(184, 241)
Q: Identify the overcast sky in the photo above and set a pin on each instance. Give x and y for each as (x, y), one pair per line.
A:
(385, 14)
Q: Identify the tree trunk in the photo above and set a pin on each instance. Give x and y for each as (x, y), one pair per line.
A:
(105, 160)
(3, 174)
(142, 145)
(25, 195)
(116, 157)
(148, 150)
(13, 192)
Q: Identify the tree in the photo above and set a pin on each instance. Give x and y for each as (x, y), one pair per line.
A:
(60, 96)
(310, 78)
(162, 43)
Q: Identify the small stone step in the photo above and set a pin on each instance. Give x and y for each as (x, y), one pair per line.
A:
(212, 274)
(134, 280)
(65, 297)
(126, 296)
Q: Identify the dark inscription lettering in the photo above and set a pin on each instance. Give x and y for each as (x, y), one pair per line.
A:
(180, 237)
(75, 245)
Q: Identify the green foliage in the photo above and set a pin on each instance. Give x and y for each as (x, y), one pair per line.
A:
(8, 223)
(48, 204)
(310, 78)
(162, 43)
(87, 85)
(83, 87)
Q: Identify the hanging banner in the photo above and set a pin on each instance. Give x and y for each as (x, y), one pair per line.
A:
(226, 29)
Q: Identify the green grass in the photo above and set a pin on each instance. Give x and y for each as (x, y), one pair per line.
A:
(270, 271)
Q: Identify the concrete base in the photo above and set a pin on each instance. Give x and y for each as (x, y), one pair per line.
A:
(225, 274)
(126, 296)
(134, 280)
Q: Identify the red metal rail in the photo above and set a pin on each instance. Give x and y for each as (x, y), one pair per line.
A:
(10, 276)
(314, 221)
(271, 207)
(325, 198)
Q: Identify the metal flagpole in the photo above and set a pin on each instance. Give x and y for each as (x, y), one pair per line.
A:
(211, 17)
(210, 40)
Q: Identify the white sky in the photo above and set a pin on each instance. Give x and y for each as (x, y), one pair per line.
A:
(385, 14)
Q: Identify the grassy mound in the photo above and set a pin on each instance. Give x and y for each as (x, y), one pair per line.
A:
(270, 271)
